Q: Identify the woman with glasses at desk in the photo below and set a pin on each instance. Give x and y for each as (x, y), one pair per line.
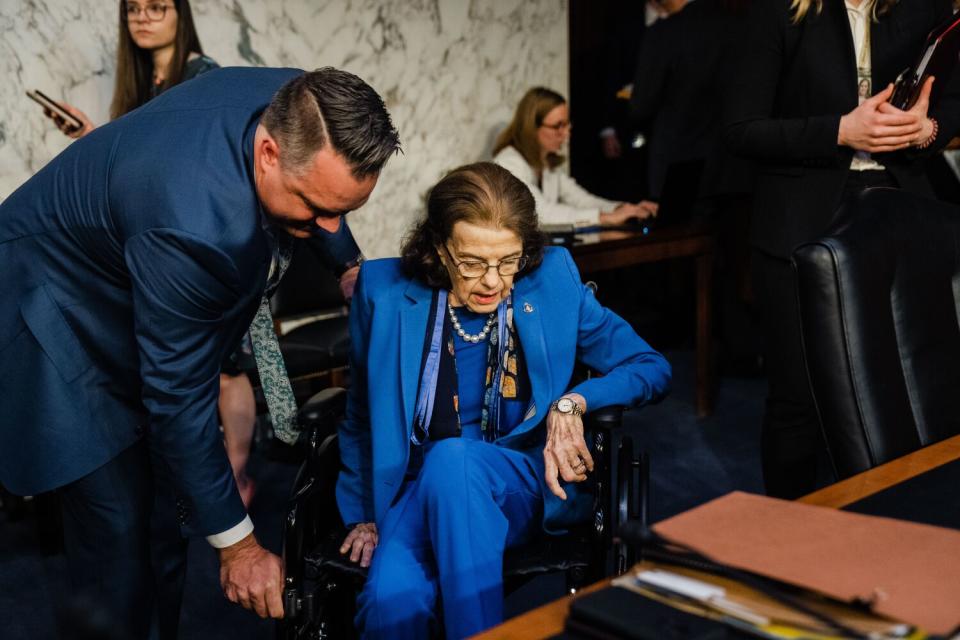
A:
(530, 147)
(461, 421)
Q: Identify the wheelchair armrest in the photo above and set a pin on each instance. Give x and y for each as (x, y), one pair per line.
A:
(327, 404)
(606, 418)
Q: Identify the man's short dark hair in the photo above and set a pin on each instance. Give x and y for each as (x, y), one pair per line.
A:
(330, 104)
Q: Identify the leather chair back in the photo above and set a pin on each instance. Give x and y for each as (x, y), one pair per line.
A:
(879, 305)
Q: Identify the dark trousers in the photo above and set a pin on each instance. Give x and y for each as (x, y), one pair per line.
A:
(125, 556)
(791, 440)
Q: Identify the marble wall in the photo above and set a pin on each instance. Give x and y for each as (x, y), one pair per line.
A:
(450, 72)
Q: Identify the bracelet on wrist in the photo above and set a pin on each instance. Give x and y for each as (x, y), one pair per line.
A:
(933, 135)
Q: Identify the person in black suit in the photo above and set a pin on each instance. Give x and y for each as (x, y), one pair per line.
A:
(793, 107)
(679, 78)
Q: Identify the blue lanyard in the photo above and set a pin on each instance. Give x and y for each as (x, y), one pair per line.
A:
(423, 413)
(431, 370)
(502, 337)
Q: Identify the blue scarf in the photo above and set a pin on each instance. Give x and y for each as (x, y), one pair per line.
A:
(437, 414)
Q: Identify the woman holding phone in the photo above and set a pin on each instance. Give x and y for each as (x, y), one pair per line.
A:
(809, 104)
(157, 48)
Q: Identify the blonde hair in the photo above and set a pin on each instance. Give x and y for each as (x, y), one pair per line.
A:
(800, 8)
(521, 133)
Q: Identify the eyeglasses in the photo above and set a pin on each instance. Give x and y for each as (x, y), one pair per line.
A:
(473, 269)
(155, 12)
(558, 126)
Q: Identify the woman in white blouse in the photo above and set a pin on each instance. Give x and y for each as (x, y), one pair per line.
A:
(530, 149)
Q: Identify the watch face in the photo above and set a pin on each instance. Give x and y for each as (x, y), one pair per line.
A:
(565, 405)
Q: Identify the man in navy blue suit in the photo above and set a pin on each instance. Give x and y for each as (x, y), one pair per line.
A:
(133, 262)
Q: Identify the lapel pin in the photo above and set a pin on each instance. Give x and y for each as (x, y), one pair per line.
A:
(527, 307)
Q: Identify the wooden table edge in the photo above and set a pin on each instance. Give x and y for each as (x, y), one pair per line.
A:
(545, 621)
(882, 477)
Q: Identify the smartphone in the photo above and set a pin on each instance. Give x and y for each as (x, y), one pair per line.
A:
(53, 106)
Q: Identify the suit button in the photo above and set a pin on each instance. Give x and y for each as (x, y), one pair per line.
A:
(183, 511)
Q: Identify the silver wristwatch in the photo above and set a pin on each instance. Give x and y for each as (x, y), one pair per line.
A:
(567, 406)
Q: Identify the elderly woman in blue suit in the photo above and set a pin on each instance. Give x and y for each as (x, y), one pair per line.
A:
(463, 436)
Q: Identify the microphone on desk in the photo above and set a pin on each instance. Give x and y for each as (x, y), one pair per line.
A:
(637, 533)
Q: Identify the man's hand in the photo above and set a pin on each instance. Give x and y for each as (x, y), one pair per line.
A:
(253, 577)
(876, 126)
(360, 542)
(566, 453)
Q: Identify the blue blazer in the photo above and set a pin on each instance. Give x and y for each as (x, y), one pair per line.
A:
(558, 320)
(132, 262)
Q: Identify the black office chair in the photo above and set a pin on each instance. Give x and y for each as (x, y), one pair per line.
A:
(315, 352)
(879, 307)
(321, 585)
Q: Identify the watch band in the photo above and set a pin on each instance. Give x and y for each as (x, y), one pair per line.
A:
(577, 410)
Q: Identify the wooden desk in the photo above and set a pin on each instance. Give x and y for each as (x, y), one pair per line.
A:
(547, 621)
(886, 475)
(609, 250)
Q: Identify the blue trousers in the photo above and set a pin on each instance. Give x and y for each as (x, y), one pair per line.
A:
(442, 542)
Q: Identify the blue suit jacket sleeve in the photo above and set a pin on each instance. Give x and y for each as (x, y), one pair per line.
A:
(355, 482)
(633, 372)
(182, 287)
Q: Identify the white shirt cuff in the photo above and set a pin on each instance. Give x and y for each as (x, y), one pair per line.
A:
(232, 535)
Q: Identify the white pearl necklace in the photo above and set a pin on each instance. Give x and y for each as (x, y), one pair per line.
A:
(466, 336)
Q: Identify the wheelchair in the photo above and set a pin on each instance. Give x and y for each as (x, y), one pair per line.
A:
(321, 585)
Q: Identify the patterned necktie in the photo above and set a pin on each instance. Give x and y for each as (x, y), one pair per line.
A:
(266, 350)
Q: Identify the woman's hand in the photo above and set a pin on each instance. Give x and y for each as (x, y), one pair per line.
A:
(626, 211)
(566, 453)
(919, 111)
(652, 208)
(876, 126)
(360, 542)
(68, 128)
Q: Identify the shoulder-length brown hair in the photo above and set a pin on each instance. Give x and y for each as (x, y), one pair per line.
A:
(521, 133)
(133, 85)
(482, 193)
(800, 8)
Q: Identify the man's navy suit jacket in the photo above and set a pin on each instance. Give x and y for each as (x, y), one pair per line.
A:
(132, 262)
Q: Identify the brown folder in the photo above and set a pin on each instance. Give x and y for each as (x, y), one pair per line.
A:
(907, 571)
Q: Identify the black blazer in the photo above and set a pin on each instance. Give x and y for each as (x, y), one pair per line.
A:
(677, 81)
(792, 83)
(680, 77)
